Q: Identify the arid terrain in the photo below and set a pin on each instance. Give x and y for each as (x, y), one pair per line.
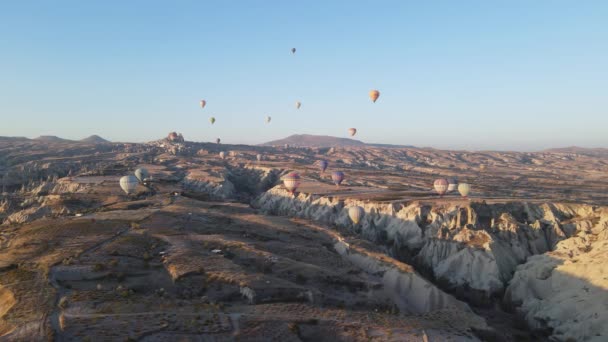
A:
(214, 249)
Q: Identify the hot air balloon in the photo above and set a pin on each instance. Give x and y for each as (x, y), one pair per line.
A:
(141, 174)
(217, 141)
(212, 120)
(441, 186)
(356, 213)
(291, 182)
(374, 95)
(128, 184)
(452, 184)
(259, 157)
(323, 165)
(203, 103)
(222, 154)
(352, 131)
(293, 50)
(337, 177)
(298, 104)
(464, 189)
(286, 145)
(268, 118)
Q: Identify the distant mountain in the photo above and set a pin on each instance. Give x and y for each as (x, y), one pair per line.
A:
(599, 151)
(308, 140)
(94, 139)
(51, 138)
(390, 146)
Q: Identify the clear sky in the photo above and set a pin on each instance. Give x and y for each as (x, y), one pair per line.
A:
(521, 75)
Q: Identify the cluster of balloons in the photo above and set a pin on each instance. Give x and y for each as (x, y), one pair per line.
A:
(443, 186)
(129, 183)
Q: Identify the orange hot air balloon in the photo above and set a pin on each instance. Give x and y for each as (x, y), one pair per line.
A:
(374, 95)
(203, 103)
(352, 131)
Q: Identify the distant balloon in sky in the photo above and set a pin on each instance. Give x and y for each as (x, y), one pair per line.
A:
(356, 213)
(323, 165)
(259, 157)
(352, 131)
(141, 174)
(293, 50)
(203, 103)
(268, 118)
(374, 95)
(128, 184)
(441, 186)
(337, 177)
(464, 189)
(212, 120)
(298, 104)
(217, 141)
(452, 184)
(291, 182)
(222, 154)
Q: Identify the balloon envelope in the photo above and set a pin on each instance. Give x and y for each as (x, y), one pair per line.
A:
(374, 95)
(222, 154)
(258, 157)
(441, 186)
(141, 174)
(352, 131)
(268, 118)
(293, 50)
(291, 181)
(323, 164)
(218, 140)
(203, 103)
(356, 213)
(212, 120)
(337, 177)
(298, 104)
(464, 189)
(128, 184)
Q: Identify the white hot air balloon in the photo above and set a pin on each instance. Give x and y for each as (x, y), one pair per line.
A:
(128, 184)
(464, 189)
(258, 157)
(356, 213)
(298, 104)
(222, 154)
(141, 174)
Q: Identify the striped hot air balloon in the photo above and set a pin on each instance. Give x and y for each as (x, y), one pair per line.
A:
(374, 95)
(352, 131)
(128, 184)
(356, 213)
(291, 182)
(441, 186)
(337, 177)
(452, 184)
(323, 164)
(141, 174)
(464, 189)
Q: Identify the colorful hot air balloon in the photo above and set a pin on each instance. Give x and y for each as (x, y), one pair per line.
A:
(128, 184)
(222, 154)
(258, 157)
(291, 182)
(212, 120)
(464, 189)
(203, 103)
(293, 50)
(356, 213)
(374, 95)
(268, 118)
(352, 131)
(141, 174)
(337, 177)
(323, 165)
(452, 184)
(298, 104)
(441, 186)
(217, 141)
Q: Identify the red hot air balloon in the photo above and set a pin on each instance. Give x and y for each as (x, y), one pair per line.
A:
(337, 177)
(441, 186)
(291, 182)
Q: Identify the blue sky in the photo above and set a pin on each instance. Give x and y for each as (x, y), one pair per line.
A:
(521, 75)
